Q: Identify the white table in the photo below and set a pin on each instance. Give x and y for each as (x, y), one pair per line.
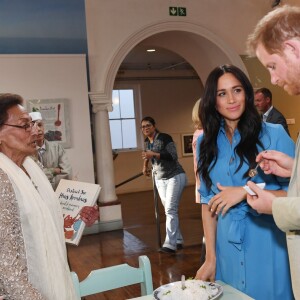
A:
(229, 293)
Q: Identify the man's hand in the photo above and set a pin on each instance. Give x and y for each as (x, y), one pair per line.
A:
(275, 162)
(262, 201)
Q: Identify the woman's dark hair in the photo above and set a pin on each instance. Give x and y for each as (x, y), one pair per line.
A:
(6, 102)
(249, 125)
(151, 121)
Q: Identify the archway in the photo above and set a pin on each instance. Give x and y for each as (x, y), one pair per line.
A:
(196, 42)
(200, 47)
(203, 53)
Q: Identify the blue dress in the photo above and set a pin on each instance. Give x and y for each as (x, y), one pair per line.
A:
(251, 251)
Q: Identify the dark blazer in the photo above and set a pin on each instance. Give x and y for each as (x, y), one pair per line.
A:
(276, 117)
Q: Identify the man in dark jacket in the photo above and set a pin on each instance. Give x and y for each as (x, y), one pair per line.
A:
(263, 103)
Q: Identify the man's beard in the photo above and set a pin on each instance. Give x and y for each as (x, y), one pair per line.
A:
(292, 85)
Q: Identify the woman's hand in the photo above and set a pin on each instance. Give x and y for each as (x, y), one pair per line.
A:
(89, 214)
(150, 154)
(275, 162)
(228, 197)
(207, 271)
(146, 171)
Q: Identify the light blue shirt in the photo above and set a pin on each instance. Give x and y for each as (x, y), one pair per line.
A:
(266, 114)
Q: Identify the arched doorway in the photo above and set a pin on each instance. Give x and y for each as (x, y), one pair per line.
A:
(199, 47)
(201, 54)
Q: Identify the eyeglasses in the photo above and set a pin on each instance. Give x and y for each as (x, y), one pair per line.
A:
(146, 126)
(27, 127)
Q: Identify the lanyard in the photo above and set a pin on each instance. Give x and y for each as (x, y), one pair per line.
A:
(152, 144)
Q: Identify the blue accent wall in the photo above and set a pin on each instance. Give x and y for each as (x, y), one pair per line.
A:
(42, 27)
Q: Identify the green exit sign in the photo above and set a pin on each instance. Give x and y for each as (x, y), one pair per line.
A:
(177, 11)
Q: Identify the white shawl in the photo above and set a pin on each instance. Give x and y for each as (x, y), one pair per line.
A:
(42, 228)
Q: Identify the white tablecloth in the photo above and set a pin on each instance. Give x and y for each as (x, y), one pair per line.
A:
(229, 293)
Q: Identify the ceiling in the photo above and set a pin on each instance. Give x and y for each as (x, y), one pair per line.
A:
(162, 59)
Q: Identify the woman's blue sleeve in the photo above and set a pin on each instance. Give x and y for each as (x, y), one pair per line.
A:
(280, 141)
(284, 143)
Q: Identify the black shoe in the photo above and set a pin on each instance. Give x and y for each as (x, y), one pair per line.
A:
(166, 250)
(179, 246)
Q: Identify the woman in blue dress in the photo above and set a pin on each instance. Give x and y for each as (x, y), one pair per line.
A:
(245, 249)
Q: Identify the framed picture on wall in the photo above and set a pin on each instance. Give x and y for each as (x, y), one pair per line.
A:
(187, 144)
(55, 114)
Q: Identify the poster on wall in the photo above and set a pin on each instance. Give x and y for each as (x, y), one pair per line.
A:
(55, 114)
(187, 144)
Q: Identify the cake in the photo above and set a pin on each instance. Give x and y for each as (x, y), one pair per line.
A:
(194, 290)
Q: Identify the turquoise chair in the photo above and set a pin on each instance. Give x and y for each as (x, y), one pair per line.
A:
(114, 277)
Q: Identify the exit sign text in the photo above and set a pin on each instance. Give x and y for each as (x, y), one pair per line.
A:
(177, 11)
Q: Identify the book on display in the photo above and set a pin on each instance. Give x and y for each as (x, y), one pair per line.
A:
(73, 196)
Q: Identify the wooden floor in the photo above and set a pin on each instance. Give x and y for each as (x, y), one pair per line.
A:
(139, 237)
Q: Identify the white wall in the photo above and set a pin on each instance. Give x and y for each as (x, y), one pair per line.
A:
(50, 77)
(112, 24)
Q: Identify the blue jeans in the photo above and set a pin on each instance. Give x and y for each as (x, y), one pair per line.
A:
(170, 191)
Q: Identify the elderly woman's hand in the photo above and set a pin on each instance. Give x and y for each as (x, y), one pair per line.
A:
(89, 214)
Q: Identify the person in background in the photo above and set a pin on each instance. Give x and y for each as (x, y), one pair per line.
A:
(263, 103)
(170, 179)
(198, 131)
(52, 155)
(233, 135)
(276, 43)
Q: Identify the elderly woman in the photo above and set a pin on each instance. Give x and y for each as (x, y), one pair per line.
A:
(33, 261)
